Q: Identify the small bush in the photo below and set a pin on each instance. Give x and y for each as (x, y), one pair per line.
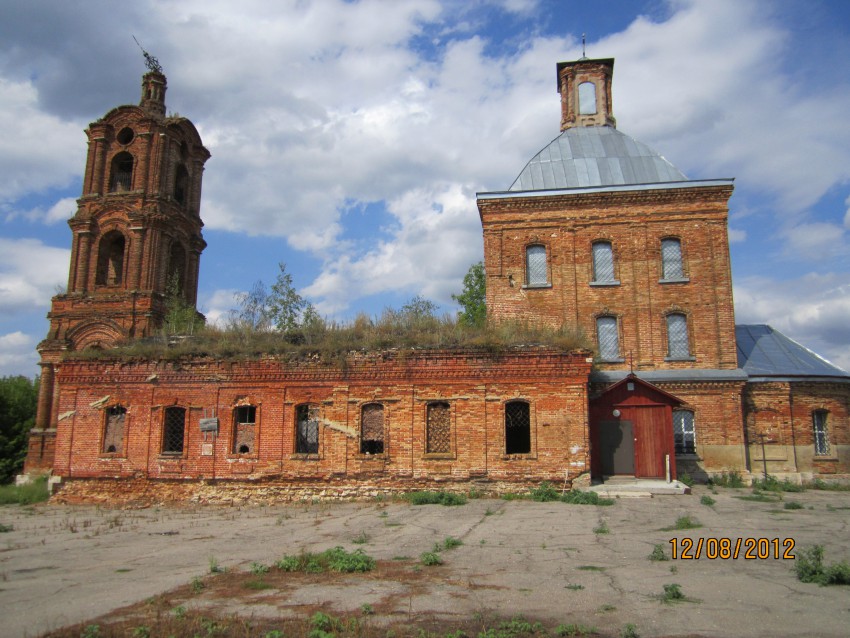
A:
(793, 505)
(435, 498)
(831, 486)
(197, 585)
(451, 542)
(657, 553)
(687, 479)
(574, 630)
(259, 568)
(429, 559)
(629, 630)
(672, 592)
(33, 492)
(543, 493)
(6, 528)
(683, 522)
(578, 497)
(810, 568)
(602, 528)
(335, 560)
(727, 479)
(773, 484)
(707, 500)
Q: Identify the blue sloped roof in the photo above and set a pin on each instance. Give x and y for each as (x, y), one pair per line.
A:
(765, 352)
(595, 156)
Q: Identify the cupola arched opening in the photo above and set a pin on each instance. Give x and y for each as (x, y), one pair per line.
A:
(110, 259)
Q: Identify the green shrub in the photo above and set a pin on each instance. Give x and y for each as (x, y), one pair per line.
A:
(33, 492)
(578, 497)
(657, 553)
(793, 505)
(543, 493)
(429, 559)
(672, 592)
(707, 500)
(773, 484)
(687, 479)
(629, 631)
(434, 498)
(683, 522)
(727, 479)
(810, 568)
(335, 560)
(832, 486)
(602, 528)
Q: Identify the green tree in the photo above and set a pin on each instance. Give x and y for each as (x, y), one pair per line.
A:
(253, 311)
(181, 318)
(18, 402)
(285, 306)
(473, 298)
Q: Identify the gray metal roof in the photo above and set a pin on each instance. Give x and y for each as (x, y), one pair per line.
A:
(594, 156)
(765, 352)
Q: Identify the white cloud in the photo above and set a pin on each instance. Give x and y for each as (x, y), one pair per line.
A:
(812, 310)
(737, 235)
(217, 305)
(29, 273)
(816, 241)
(17, 354)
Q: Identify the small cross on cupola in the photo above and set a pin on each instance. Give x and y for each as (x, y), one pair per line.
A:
(585, 88)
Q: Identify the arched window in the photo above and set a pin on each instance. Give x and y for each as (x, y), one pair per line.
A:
(181, 184)
(307, 429)
(608, 338)
(536, 267)
(121, 175)
(683, 432)
(603, 263)
(678, 346)
(586, 98)
(113, 432)
(176, 269)
(820, 432)
(517, 427)
(173, 430)
(110, 260)
(671, 259)
(372, 429)
(438, 434)
(244, 429)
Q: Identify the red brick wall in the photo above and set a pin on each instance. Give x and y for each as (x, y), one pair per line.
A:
(475, 385)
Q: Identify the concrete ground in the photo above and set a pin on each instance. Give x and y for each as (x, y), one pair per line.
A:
(547, 561)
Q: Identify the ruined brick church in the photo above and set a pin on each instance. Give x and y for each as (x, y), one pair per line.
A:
(598, 231)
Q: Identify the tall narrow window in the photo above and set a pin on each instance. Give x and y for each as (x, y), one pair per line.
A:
(671, 259)
(683, 432)
(113, 432)
(536, 268)
(173, 430)
(121, 176)
(244, 429)
(181, 184)
(176, 269)
(372, 429)
(307, 429)
(603, 262)
(586, 98)
(517, 427)
(439, 429)
(820, 432)
(678, 346)
(110, 260)
(608, 337)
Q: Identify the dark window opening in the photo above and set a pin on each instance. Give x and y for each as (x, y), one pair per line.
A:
(113, 433)
(110, 260)
(176, 283)
(517, 428)
(125, 136)
(372, 429)
(438, 436)
(244, 429)
(173, 430)
(307, 429)
(121, 177)
(181, 184)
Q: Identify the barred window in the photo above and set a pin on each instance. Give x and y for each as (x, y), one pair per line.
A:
(372, 429)
(821, 434)
(113, 432)
(608, 338)
(671, 259)
(678, 346)
(603, 262)
(244, 429)
(307, 429)
(683, 432)
(439, 429)
(517, 427)
(536, 268)
(173, 430)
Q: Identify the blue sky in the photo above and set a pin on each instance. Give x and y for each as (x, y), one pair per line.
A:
(348, 139)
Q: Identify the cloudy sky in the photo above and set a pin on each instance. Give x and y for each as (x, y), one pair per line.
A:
(348, 139)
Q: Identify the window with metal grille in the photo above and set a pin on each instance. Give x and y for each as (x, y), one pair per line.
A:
(608, 338)
(677, 337)
(671, 259)
(821, 434)
(307, 429)
(372, 429)
(683, 432)
(173, 429)
(439, 429)
(121, 177)
(113, 432)
(603, 262)
(536, 268)
(244, 429)
(517, 427)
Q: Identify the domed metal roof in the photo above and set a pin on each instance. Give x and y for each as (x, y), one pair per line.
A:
(595, 156)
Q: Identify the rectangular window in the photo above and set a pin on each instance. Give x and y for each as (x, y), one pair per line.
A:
(678, 346)
(113, 433)
(603, 263)
(244, 429)
(536, 268)
(307, 429)
(517, 428)
(173, 430)
(671, 259)
(683, 432)
(439, 429)
(608, 337)
(372, 429)
(821, 434)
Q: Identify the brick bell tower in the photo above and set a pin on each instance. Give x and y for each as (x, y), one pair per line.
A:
(137, 229)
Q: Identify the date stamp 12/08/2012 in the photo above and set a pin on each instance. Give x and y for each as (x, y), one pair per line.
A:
(731, 548)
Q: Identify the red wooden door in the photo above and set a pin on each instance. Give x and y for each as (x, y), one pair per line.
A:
(649, 441)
